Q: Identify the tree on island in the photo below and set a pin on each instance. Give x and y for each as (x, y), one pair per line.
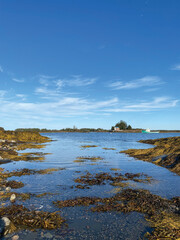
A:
(122, 125)
(129, 127)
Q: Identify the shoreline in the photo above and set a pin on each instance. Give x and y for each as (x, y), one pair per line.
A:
(165, 153)
(161, 213)
(11, 142)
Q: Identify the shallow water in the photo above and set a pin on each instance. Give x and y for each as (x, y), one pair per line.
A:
(82, 223)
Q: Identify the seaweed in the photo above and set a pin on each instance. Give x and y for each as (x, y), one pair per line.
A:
(88, 146)
(162, 214)
(105, 148)
(88, 158)
(22, 217)
(14, 184)
(166, 153)
(114, 179)
(12, 141)
(26, 171)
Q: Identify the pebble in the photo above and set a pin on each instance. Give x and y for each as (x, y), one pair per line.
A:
(6, 221)
(15, 237)
(48, 235)
(8, 189)
(13, 198)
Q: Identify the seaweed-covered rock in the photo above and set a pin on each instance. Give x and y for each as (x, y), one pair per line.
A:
(6, 226)
(166, 153)
(22, 217)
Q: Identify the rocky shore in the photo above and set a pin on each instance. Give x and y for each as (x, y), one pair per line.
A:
(161, 213)
(166, 153)
(12, 215)
(11, 142)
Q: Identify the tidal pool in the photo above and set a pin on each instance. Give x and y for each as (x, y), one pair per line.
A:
(82, 223)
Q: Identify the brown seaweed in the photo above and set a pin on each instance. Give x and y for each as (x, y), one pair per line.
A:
(166, 153)
(24, 218)
(102, 178)
(162, 214)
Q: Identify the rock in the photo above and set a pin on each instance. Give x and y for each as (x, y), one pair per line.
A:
(48, 235)
(6, 226)
(2, 161)
(13, 198)
(15, 237)
(1, 158)
(6, 221)
(8, 189)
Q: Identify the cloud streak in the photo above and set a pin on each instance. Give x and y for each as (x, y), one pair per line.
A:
(176, 67)
(75, 81)
(157, 103)
(65, 107)
(18, 80)
(2, 93)
(52, 87)
(147, 81)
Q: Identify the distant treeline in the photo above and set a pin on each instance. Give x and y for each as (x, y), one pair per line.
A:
(74, 129)
(61, 130)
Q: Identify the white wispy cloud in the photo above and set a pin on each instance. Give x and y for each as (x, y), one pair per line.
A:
(176, 67)
(2, 93)
(157, 103)
(44, 92)
(147, 81)
(52, 87)
(76, 81)
(21, 96)
(63, 108)
(151, 89)
(1, 69)
(45, 80)
(18, 80)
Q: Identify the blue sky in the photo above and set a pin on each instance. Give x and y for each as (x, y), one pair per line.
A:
(89, 63)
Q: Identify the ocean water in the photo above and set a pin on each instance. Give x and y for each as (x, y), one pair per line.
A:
(82, 223)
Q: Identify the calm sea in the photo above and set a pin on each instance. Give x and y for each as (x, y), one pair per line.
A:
(82, 223)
